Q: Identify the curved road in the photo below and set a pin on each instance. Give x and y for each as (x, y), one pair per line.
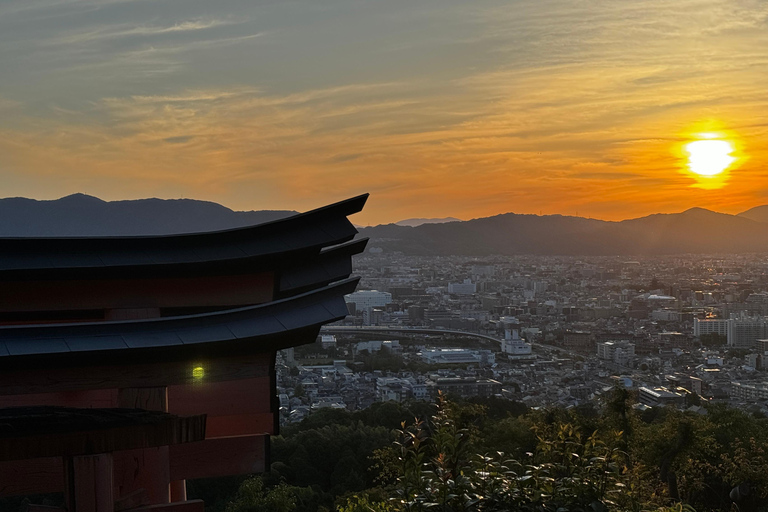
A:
(350, 329)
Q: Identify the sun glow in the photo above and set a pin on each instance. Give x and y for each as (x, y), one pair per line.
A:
(709, 157)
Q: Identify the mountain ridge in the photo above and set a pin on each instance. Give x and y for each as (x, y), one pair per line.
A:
(696, 230)
(85, 215)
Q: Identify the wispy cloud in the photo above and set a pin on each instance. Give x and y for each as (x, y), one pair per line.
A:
(530, 106)
(127, 30)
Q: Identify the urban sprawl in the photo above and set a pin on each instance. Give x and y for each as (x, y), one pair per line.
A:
(678, 330)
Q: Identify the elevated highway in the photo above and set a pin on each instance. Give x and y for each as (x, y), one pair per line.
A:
(334, 329)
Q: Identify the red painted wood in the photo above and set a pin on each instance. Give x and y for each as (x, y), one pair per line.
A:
(218, 457)
(101, 398)
(245, 396)
(239, 425)
(93, 483)
(34, 381)
(32, 476)
(136, 293)
(149, 399)
(143, 469)
(178, 490)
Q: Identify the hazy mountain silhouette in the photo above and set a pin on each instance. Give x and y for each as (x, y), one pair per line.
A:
(693, 231)
(418, 221)
(83, 215)
(758, 213)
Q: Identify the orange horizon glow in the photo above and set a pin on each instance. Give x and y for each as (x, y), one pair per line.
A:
(500, 108)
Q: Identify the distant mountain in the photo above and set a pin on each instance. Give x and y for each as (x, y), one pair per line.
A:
(693, 231)
(83, 215)
(758, 213)
(418, 222)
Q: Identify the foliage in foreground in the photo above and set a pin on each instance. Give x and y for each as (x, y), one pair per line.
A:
(555, 460)
(437, 470)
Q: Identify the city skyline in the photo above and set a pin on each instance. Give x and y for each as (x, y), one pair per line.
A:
(437, 108)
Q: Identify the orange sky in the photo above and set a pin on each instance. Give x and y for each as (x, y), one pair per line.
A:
(437, 108)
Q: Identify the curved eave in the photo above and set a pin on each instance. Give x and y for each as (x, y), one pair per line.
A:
(253, 325)
(332, 264)
(23, 258)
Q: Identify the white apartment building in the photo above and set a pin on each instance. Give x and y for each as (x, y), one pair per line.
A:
(620, 352)
(465, 288)
(367, 299)
(513, 345)
(457, 356)
(744, 391)
(710, 326)
(744, 331)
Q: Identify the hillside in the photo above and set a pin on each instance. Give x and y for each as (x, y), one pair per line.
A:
(758, 213)
(693, 231)
(83, 215)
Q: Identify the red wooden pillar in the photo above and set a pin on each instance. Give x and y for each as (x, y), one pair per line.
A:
(145, 468)
(89, 483)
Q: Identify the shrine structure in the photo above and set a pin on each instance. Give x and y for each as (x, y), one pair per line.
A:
(131, 364)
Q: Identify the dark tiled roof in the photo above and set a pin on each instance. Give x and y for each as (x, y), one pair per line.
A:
(276, 242)
(242, 325)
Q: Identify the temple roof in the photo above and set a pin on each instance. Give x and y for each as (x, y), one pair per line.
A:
(249, 325)
(309, 257)
(276, 242)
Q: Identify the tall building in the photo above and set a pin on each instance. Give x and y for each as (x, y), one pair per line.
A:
(744, 331)
(513, 344)
(710, 326)
(619, 352)
(367, 299)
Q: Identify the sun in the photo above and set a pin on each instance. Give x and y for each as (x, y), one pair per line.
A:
(709, 157)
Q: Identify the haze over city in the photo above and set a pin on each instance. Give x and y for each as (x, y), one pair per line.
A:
(603, 109)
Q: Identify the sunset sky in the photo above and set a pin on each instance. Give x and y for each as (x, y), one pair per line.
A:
(436, 107)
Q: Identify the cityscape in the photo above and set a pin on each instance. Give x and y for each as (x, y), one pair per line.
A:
(546, 331)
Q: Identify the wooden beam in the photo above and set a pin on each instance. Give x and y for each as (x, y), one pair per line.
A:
(93, 483)
(156, 431)
(218, 457)
(234, 408)
(146, 469)
(31, 476)
(149, 399)
(245, 396)
(183, 292)
(148, 374)
(239, 425)
(99, 398)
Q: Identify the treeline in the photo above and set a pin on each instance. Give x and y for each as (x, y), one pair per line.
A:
(493, 455)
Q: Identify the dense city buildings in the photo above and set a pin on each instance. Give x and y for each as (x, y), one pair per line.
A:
(549, 330)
